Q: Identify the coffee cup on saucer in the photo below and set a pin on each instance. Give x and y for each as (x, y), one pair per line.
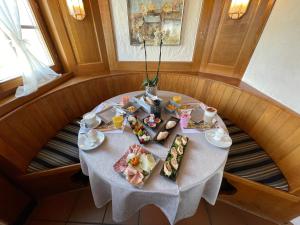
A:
(89, 119)
(219, 133)
(92, 136)
(209, 115)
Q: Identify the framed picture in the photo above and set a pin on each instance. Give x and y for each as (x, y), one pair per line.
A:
(149, 19)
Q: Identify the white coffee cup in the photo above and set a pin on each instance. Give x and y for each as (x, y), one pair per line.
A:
(220, 132)
(92, 136)
(89, 119)
(209, 115)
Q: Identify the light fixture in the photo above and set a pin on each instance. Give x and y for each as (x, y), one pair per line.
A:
(238, 8)
(76, 9)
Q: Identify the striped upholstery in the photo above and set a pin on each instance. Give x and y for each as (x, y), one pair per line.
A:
(61, 150)
(248, 160)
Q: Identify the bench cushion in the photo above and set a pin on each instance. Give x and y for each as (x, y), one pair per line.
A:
(61, 150)
(248, 160)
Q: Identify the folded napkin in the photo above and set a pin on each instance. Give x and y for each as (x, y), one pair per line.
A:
(97, 109)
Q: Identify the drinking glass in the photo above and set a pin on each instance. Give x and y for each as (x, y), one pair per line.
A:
(177, 99)
(118, 121)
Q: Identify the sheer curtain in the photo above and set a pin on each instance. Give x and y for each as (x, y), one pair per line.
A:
(35, 73)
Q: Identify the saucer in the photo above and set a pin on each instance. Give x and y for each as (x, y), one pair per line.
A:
(83, 142)
(96, 123)
(225, 141)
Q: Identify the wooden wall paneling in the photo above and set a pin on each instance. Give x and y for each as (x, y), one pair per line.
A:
(254, 116)
(224, 99)
(255, 30)
(80, 43)
(290, 126)
(270, 131)
(240, 108)
(54, 20)
(233, 100)
(291, 170)
(230, 43)
(198, 93)
(271, 201)
(13, 201)
(213, 91)
(82, 35)
(12, 162)
(265, 118)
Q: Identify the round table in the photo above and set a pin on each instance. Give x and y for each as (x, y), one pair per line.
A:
(200, 173)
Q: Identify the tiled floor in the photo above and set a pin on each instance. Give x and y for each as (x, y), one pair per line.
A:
(77, 208)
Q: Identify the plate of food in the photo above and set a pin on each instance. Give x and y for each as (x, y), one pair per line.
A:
(171, 107)
(174, 158)
(131, 108)
(164, 133)
(136, 165)
(139, 130)
(152, 121)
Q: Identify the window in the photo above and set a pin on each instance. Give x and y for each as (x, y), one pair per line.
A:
(36, 43)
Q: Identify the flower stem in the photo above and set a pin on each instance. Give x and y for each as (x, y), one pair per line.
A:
(146, 66)
(159, 59)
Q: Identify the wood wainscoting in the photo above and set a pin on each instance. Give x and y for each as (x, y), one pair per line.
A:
(27, 128)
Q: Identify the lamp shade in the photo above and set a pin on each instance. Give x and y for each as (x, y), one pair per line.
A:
(76, 9)
(238, 8)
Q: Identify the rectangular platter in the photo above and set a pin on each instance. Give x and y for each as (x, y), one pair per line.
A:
(155, 129)
(129, 104)
(201, 126)
(136, 173)
(107, 114)
(174, 158)
(140, 124)
(164, 129)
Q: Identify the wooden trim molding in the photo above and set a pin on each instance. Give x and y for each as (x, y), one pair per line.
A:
(11, 102)
(132, 66)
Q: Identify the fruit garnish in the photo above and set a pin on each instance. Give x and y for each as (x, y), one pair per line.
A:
(135, 161)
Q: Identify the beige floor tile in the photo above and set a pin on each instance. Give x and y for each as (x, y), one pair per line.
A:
(85, 210)
(108, 218)
(224, 214)
(200, 218)
(46, 223)
(152, 215)
(56, 207)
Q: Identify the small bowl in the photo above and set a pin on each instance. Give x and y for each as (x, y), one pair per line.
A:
(170, 102)
(137, 107)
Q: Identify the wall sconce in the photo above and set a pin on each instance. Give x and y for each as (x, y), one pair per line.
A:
(238, 8)
(76, 9)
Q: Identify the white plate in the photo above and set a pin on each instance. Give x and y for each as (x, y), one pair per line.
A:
(225, 141)
(84, 143)
(96, 124)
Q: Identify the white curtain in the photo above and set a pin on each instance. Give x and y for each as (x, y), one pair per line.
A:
(35, 73)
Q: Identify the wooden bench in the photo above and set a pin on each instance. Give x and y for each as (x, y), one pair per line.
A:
(26, 129)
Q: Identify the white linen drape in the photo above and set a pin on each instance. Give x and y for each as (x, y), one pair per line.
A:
(35, 73)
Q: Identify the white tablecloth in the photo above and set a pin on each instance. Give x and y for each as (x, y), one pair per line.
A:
(200, 174)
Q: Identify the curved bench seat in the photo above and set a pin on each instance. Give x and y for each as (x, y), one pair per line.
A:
(248, 160)
(61, 150)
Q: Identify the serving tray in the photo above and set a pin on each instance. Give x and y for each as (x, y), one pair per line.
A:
(164, 129)
(121, 165)
(173, 172)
